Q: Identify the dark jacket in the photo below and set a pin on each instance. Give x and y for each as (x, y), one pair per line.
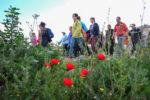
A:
(109, 34)
(94, 30)
(135, 34)
(47, 36)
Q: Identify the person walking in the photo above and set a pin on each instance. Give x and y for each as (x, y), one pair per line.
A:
(85, 37)
(93, 33)
(64, 43)
(34, 40)
(121, 30)
(109, 41)
(46, 34)
(134, 34)
(76, 36)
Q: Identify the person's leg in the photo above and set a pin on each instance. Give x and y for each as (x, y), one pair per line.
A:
(143, 42)
(112, 48)
(120, 43)
(63, 49)
(88, 50)
(72, 43)
(80, 44)
(106, 48)
(93, 44)
(75, 50)
(121, 40)
(133, 48)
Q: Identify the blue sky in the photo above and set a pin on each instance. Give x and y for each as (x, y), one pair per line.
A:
(28, 7)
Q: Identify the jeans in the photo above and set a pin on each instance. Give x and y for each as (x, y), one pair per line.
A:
(134, 42)
(74, 41)
(143, 43)
(110, 47)
(120, 43)
(93, 44)
(44, 43)
(65, 48)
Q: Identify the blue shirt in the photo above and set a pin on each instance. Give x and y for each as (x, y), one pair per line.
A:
(84, 26)
(70, 37)
(63, 38)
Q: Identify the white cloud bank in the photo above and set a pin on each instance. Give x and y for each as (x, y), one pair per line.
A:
(60, 18)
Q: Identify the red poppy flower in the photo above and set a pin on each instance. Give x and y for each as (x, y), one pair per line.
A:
(70, 66)
(68, 82)
(84, 72)
(47, 65)
(54, 61)
(101, 57)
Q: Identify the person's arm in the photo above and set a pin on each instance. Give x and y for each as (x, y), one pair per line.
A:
(140, 33)
(130, 33)
(126, 30)
(96, 29)
(65, 39)
(114, 32)
(61, 40)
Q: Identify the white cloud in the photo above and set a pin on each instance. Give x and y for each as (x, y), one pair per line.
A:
(60, 18)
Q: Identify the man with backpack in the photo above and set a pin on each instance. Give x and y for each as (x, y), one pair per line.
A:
(46, 34)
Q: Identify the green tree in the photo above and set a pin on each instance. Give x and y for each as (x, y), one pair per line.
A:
(12, 35)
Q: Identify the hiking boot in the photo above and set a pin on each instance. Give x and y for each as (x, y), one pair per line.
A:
(89, 57)
(69, 58)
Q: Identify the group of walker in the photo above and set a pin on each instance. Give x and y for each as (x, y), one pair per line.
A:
(79, 38)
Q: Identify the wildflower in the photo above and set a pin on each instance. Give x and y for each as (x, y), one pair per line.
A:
(54, 61)
(94, 58)
(70, 66)
(101, 89)
(68, 82)
(17, 95)
(101, 57)
(84, 72)
(47, 65)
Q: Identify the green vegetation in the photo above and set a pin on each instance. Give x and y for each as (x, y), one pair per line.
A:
(23, 75)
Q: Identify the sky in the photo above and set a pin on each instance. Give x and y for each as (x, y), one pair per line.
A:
(57, 14)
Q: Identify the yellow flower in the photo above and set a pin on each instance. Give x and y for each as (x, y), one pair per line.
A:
(94, 58)
(141, 55)
(72, 85)
(101, 89)
(17, 95)
(9, 14)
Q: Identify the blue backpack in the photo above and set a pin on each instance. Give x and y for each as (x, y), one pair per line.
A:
(48, 35)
